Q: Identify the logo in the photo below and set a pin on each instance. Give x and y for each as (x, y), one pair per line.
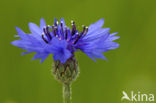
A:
(137, 97)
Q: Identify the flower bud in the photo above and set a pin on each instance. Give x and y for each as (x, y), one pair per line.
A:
(67, 72)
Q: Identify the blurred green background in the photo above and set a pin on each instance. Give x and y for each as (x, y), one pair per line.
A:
(131, 67)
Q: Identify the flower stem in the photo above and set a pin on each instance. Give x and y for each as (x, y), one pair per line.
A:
(66, 93)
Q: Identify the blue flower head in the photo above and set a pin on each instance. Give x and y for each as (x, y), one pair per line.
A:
(62, 42)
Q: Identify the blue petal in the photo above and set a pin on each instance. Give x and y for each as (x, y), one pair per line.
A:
(95, 26)
(95, 53)
(36, 32)
(94, 46)
(21, 34)
(62, 55)
(42, 23)
(59, 49)
(62, 20)
(111, 45)
(42, 56)
(35, 29)
(60, 29)
(69, 36)
(113, 37)
(23, 53)
(28, 37)
(113, 34)
(28, 45)
(20, 43)
(90, 56)
(55, 20)
(56, 43)
(96, 34)
(16, 36)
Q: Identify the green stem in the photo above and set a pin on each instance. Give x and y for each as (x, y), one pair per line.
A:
(66, 93)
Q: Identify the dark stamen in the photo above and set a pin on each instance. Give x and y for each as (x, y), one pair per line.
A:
(73, 28)
(44, 30)
(55, 27)
(78, 37)
(62, 27)
(44, 38)
(54, 30)
(56, 23)
(48, 32)
(66, 33)
(86, 30)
